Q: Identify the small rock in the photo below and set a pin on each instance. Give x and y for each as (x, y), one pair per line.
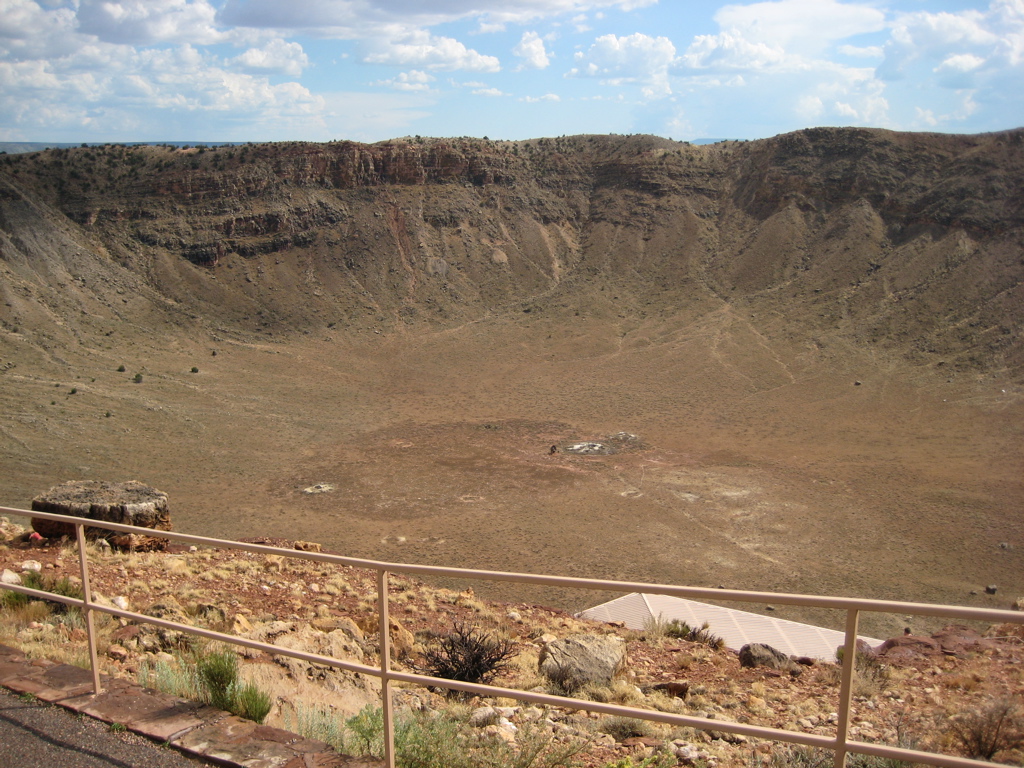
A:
(9, 577)
(117, 652)
(483, 716)
(991, 589)
(32, 565)
(120, 602)
(604, 740)
(514, 616)
(497, 732)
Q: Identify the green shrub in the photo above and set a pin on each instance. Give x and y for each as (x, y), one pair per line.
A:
(437, 740)
(176, 678)
(252, 703)
(218, 672)
(14, 600)
(211, 677)
(622, 728)
(657, 760)
(680, 630)
(138, 378)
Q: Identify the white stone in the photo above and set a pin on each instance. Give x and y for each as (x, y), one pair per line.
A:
(120, 602)
(9, 577)
(32, 565)
(483, 716)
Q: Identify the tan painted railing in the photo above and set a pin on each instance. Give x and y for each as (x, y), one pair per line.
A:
(841, 743)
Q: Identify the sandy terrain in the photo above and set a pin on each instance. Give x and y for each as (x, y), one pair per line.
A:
(437, 445)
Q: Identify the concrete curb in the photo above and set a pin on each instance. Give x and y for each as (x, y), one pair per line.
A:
(192, 728)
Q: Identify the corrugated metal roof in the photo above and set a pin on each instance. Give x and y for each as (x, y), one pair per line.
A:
(736, 628)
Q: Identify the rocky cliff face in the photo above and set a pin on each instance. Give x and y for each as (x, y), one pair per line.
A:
(911, 241)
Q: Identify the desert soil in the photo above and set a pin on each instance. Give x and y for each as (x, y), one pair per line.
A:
(762, 462)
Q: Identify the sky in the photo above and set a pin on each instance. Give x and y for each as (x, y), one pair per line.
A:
(370, 70)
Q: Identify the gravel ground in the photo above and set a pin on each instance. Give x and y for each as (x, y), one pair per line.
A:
(38, 735)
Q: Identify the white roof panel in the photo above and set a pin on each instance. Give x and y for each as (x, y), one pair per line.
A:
(736, 628)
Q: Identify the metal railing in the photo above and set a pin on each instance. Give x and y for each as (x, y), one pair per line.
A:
(841, 744)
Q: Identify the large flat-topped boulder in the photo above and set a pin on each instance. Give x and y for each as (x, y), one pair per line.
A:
(128, 503)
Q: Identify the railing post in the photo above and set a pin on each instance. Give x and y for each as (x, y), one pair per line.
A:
(385, 668)
(846, 686)
(87, 596)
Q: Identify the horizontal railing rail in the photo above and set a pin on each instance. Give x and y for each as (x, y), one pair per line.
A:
(841, 744)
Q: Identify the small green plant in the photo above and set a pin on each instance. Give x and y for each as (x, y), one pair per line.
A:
(680, 630)
(195, 369)
(657, 760)
(252, 703)
(436, 740)
(138, 378)
(177, 678)
(622, 728)
(218, 672)
(121, 369)
(74, 391)
(14, 600)
(118, 727)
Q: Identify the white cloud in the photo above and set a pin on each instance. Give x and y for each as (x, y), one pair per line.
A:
(806, 27)
(635, 58)
(28, 31)
(961, 62)
(275, 56)
(489, 92)
(580, 23)
(729, 50)
(422, 49)
(862, 52)
(414, 80)
(935, 38)
(553, 97)
(360, 18)
(149, 21)
(531, 50)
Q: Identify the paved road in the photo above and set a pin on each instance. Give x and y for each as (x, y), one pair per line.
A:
(37, 735)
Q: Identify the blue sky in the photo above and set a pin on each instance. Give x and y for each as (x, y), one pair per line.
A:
(368, 70)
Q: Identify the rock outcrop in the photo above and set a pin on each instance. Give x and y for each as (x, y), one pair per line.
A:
(761, 655)
(127, 503)
(583, 660)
